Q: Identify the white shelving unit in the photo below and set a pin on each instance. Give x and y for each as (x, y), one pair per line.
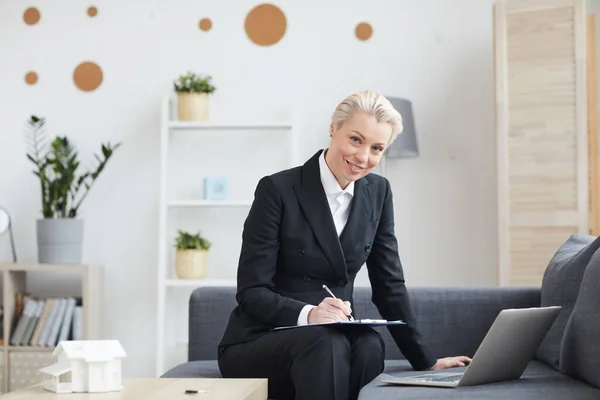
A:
(227, 125)
(194, 283)
(208, 203)
(168, 285)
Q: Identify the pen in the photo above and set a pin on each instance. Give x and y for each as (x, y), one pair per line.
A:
(192, 392)
(333, 295)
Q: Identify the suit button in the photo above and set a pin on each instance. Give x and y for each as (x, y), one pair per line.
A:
(368, 247)
(341, 282)
(301, 252)
(307, 278)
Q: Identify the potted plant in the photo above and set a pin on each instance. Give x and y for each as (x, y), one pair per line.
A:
(62, 189)
(192, 96)
(191, 258)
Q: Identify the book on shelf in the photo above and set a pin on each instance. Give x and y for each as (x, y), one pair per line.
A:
(1, 325)
(19, 305)
(46, 322)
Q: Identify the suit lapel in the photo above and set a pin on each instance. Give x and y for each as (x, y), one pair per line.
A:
(313, 203)
(359, 213)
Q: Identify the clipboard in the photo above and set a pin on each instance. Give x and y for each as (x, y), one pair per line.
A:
(364, 322)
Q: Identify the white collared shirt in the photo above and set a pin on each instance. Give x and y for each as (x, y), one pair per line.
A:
(339, 201)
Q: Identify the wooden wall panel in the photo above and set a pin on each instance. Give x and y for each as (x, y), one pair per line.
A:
(593, 127)
(530, 249)
(542, 133)
(516, 6)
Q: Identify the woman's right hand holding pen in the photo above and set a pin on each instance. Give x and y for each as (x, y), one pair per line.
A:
(330, 310)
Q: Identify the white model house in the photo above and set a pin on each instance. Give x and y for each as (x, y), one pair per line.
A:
(86, 366)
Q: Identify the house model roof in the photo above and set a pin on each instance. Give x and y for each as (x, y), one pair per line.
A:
(91, 350)
(56, 369)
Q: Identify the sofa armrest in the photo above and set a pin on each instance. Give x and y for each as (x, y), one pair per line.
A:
(454, 321)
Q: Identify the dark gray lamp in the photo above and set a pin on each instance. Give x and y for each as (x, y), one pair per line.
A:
(405, 145)
(5, 226)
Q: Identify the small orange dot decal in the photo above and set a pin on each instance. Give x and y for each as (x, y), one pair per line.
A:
(205, 24)
(31, 78)
(87, 76)
(92, 11)
(265, 24)
(31, 16)
(363, 31)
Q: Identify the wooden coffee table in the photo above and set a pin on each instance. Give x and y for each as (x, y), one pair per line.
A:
(159, 388)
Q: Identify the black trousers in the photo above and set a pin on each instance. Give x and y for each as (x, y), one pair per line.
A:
(308, 363)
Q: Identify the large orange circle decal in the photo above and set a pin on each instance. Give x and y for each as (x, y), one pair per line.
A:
(87, 76)
(265, 24)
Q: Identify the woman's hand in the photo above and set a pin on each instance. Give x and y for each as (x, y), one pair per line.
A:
(450, 362)
(330, 310)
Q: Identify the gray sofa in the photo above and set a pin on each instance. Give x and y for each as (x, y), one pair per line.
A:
(454, 321)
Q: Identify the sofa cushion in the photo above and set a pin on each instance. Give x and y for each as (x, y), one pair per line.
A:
(580, 350)
(560, 287)
(539, 381)
(210, 369)
(194, 369)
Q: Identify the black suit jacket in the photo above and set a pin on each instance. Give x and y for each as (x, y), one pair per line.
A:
(291, 248)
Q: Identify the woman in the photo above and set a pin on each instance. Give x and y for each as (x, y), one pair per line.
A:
(316, 225)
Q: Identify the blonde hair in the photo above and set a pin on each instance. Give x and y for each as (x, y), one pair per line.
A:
(372, 104)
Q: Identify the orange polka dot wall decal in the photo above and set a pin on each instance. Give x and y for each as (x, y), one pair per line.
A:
(363, 31)
(205, 24)
(87, 76)
(31, 16)
(31, 78)
(92, 11)
(265, 24)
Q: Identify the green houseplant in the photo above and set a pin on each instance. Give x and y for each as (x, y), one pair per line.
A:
(193, 92)
(63, 189)
(191, 257)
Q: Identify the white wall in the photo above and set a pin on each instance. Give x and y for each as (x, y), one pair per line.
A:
(437, 53)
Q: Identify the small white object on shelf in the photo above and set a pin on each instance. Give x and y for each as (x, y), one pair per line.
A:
(92, 366)
(215, 189)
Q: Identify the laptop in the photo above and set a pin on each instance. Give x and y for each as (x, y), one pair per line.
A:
(503, 355)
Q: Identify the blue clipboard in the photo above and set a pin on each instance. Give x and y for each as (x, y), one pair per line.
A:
(364, 322)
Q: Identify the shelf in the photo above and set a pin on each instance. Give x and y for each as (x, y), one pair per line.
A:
(228, 125)
(200, 282)
(31, 348)
(209, 203)
(43, 267)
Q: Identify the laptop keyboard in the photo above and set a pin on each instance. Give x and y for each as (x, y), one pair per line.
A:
(449, 378)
